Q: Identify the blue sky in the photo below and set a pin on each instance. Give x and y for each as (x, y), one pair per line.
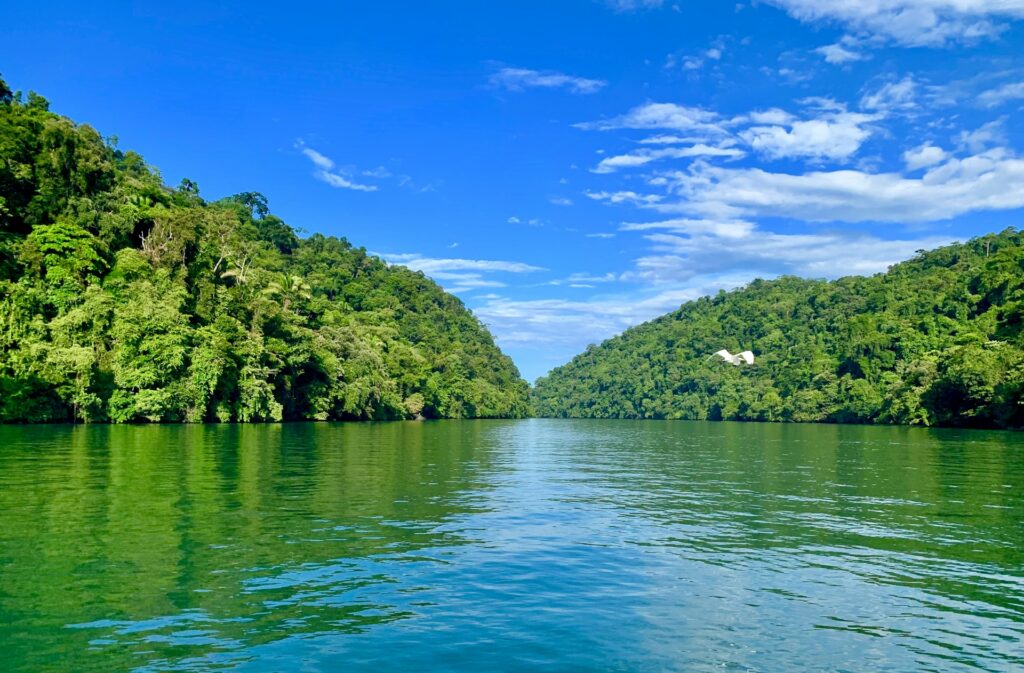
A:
(568, 169)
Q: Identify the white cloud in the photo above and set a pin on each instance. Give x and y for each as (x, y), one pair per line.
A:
(768, 254)
(431, 266)
(697, 258)
(601, 235)
(588, 279)
(460, 275)
(683, 269)
(693, 62)
(645, 156)
(731, 229)
(670, 140)
(575, 323)
(981, 138)
(1002, 94)
(771, 116)
(911, 22)
(325, 172)
(560, 201)
(625, 197)
(832, 133)
(667, 116)
(319, 160)
(633, 5)
(462, 282)
(923, 156)
(341, 182)
(900, 95)
(520, 79)
(839, 53)
(992, 180)
(831, 136)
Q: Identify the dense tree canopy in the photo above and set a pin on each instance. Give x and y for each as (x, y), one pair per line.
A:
(936, 340)
(122, 299)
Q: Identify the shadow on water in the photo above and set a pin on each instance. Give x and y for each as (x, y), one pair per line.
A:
(504, 545)
(131, 544)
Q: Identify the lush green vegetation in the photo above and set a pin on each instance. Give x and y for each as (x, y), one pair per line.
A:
(936, 340)
(124, 300)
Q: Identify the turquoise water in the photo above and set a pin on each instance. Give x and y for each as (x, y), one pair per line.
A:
(511, 546)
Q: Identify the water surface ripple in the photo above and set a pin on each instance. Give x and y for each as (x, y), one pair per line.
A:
(511, 546)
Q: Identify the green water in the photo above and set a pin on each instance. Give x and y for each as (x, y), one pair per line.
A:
(511, 546)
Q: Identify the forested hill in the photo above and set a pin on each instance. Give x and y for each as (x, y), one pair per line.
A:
(936, 340)
(122, 299)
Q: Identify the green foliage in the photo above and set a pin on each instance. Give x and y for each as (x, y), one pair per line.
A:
(124, 300)
(936, 340)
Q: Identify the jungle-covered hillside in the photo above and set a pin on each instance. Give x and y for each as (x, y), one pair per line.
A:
(123, 299)
(936, 340)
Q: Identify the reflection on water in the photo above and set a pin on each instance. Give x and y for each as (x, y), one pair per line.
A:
(511, 545)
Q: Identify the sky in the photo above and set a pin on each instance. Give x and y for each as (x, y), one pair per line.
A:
(572, 168)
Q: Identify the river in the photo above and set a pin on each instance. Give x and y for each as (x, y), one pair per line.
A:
(548, 545)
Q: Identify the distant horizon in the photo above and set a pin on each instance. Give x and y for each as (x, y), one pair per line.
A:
(568, 171)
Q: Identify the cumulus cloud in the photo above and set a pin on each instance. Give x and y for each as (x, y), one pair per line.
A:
(770, 116)
(830, 136)
(841, 52)
(325, 171)
(923, 156)
(520, 79)
(831, 132)
(910, 22)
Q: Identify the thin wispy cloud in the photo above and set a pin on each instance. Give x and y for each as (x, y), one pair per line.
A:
(991, 180)
(633, 5)
(661, 116)
(521, 79)
(646, 156)
(429, 265)
(1002, 94)
(891, 96)
(325, 170)
(459, 275)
